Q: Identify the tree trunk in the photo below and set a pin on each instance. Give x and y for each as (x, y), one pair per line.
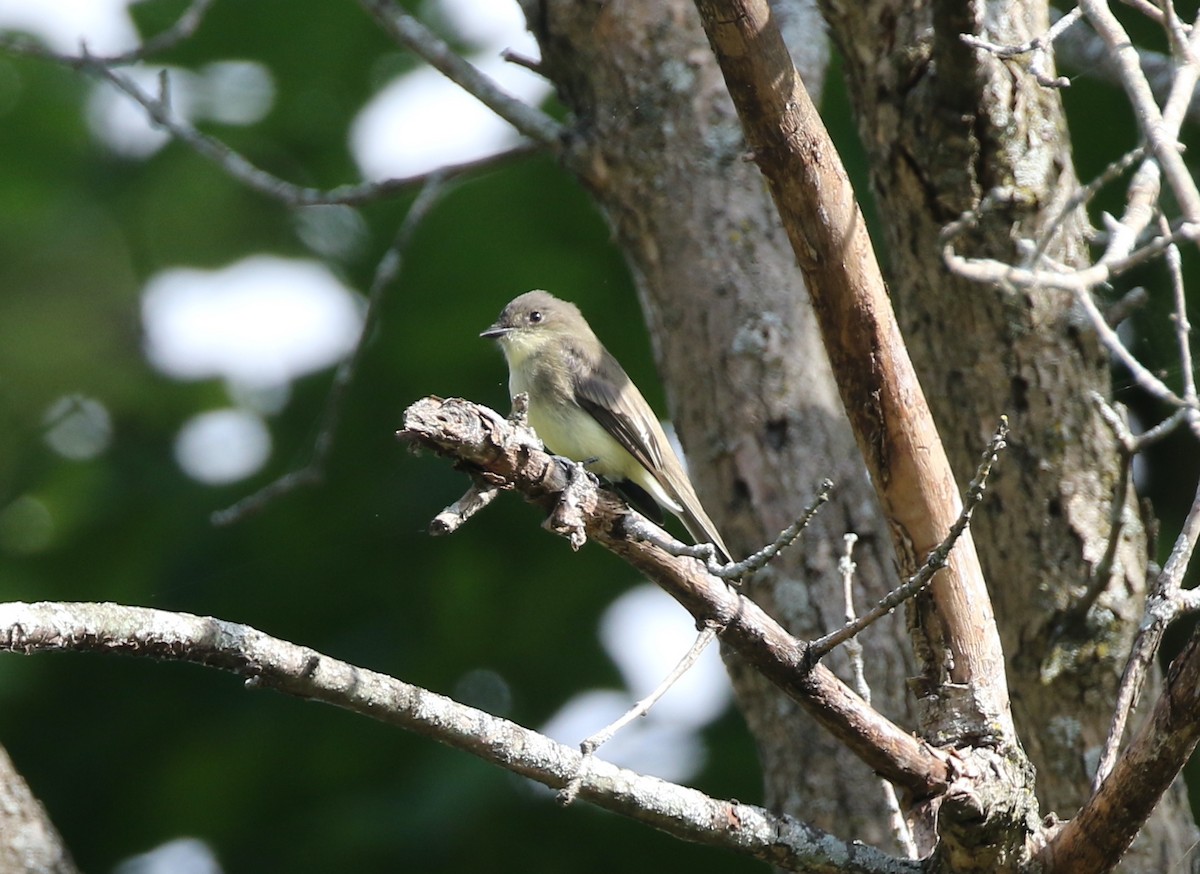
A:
(29, 843)
(750, 392)
(746, 377)
(944, 125)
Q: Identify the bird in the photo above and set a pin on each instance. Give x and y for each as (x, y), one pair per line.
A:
(584, 406)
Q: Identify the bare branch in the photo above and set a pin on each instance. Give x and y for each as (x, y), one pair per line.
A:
(1147, 9)
(455, 516)
(900, 830)
(420, 40)
(294, 670)
(1037, 48)
(1162, 142)
(1080, 283)
(500, 452)
(880, 392)
(1102, 572)
(386, 272)
(1106, 825)
(1183, 328)
(183, 29)
(233, 163)
(735, 570)
(593, 742)
(936, 559)
(1080, 198)
(1164, 605)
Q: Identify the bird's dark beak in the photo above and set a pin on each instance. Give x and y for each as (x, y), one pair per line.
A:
(495, 332)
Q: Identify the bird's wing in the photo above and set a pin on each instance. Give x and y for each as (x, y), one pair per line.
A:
(620, 414)
(628, 418)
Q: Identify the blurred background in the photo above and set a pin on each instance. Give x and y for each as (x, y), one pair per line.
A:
(167, 346)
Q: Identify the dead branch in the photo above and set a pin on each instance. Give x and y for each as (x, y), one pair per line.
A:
(1104, 828)
(510, 457)
(935, 561)
(879, 389)
(265, 661)
(386, 272)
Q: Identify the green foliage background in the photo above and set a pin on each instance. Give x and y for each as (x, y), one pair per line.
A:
(129, 753)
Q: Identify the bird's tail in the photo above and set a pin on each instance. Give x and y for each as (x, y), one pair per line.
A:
(702, 529)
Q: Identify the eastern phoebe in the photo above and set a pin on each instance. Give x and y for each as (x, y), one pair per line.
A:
(584, 406)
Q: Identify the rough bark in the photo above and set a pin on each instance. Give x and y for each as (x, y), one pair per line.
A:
(750, 392)
(944, 125)
(29, 843)
(747, 381)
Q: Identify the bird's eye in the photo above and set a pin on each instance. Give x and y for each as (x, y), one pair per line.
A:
(535, 317)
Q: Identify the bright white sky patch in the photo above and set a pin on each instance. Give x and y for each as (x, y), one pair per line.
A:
(487, 25)
(222, 446)
(228, 92)
(649, 745)
(123, 125)
(180, 856)
(646, 635)
(62, 24)
(263, 321)
(422, 120)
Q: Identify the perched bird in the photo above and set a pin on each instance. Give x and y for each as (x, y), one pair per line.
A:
(584, 406)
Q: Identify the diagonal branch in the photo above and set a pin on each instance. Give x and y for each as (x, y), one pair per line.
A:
(1162, 143)
(1106, 825)
(1163, 606)
(305, 673)
(879, 389)
(420, 40)
(935, 561)
(233, 163)
(509, 456)
(386, 272)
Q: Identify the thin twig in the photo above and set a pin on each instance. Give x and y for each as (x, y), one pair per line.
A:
(1132, 444)
(1163, 428)
(386, 272)
(854, 651)
(735, 570)
(1147, 9)
(1080, 283)
(1101, 574)
(237, 166)
(455, 516)
(590, 744)
(1128, 304)
(423, 42)
(1183, 328)
(1163, 606)
(935, 561)
(184, 28)
(1036, 48)
(1081, 197)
